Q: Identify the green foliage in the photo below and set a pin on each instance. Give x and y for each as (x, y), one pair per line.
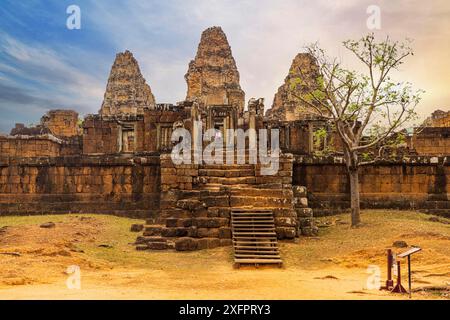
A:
(366, 156)
(322, 147)
(368, 105)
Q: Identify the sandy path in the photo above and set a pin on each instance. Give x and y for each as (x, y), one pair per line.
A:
(331, 267)
(215, 284)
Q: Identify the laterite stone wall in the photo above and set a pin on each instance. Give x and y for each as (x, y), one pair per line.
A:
(421, 183)
(127, 186)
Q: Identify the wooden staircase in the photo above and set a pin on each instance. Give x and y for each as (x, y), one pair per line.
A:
(254, 237)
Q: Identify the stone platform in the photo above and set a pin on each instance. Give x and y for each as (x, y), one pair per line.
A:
(197, 200)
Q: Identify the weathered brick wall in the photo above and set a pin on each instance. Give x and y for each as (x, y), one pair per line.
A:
(100, 136)
(39, 146)
(438, 118)
(61, 123)
(431, 141)
(153, 119)
(32, 146)
(416, 183)
(177, 177)
(127, 186)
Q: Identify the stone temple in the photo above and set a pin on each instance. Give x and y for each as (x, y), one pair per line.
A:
(118, 161)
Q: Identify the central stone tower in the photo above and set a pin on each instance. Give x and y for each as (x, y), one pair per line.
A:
(303, 75)
(213, 78)
(127, 91)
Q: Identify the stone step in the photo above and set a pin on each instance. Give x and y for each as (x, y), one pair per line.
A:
(148, 239)
(198, 222)
(227, 166)
(266, 189)
(251, 180)
(153, 230)
(155, 242)
(175, 213)
(179, 232)
(227, 173)
(231, 181)
(436, 204)
(252, 223)
(225, 212)
(237, 201)
(256, 192)
(439, 212)
(248, 201)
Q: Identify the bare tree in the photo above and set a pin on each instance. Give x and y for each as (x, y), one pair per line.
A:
(365, 108)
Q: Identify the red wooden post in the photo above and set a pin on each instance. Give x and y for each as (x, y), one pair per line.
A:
(389, 281)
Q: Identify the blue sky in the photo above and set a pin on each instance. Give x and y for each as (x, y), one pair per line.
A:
(43, 65)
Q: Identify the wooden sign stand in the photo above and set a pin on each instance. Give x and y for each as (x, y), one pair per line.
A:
(398, 287)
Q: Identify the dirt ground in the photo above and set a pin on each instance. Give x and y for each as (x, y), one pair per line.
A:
(34, 261)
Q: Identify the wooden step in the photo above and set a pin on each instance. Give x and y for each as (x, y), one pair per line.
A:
(247, 237)
(253, 233)
(254, 237)
(267, 252)
(264, 255)
(255, 261)
(250, 229)
(251, 219)
(252, 249)
(254, 242)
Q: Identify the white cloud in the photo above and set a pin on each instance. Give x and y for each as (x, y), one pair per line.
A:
(47, 68)
(264, 35)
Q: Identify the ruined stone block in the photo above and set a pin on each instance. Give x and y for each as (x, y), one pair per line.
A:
(301, 202)
(304, 212)
(299, 191)
(142, 247)
(310, 231)
(208, 232)
(137, 227)
(169, 232)
(153, 231)
(226, 242)
(286, 232)
(186, 244)
(171, 222)
(209, 222)
(225, 233)
(158, 246)
(213, 243)
(202, 244)
(285, 222)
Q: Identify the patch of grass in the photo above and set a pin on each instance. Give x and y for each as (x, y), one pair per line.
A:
(13, 221)
(114, 232)
(339, 243)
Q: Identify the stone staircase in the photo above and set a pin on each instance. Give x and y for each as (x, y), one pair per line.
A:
(197, 202)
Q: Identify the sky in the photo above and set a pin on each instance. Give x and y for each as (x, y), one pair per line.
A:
(44, 65)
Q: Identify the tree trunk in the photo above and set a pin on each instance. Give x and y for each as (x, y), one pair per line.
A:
(354, 195)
